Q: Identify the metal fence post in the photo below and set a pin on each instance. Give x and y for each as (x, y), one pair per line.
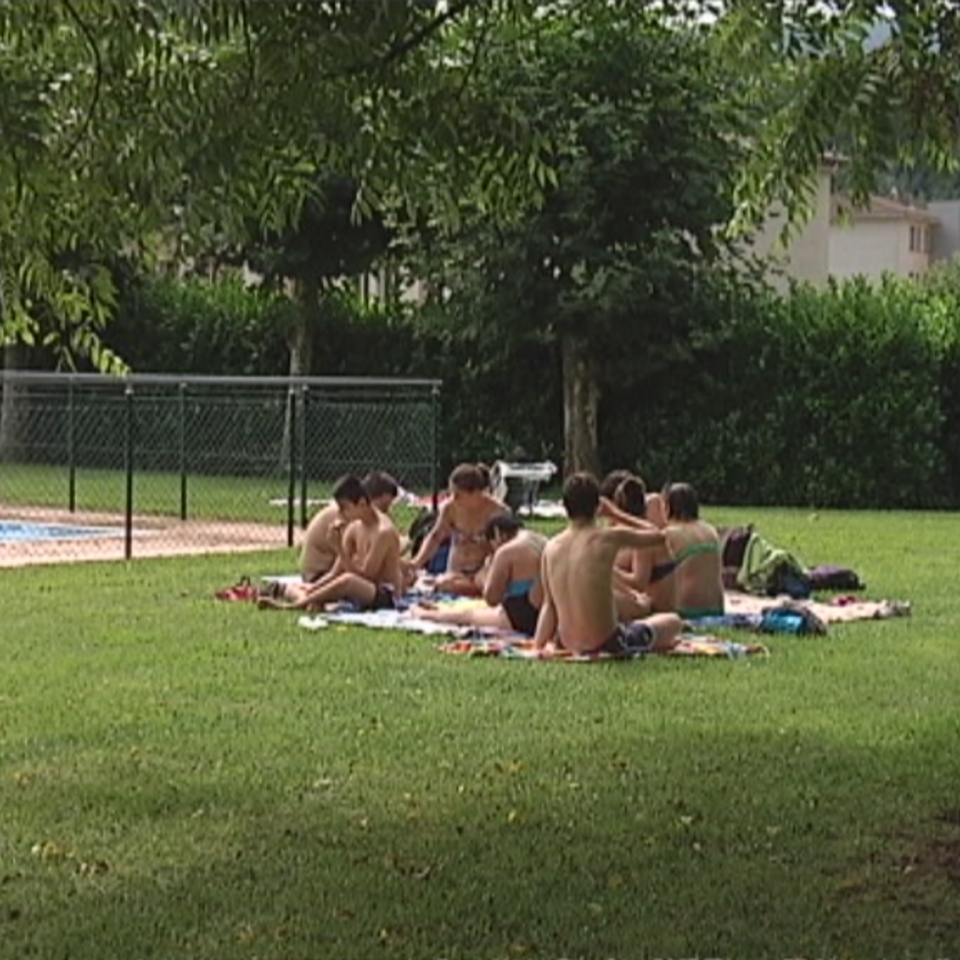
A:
(183, 450)
(128, 466)
(435, 446)
(71, 450)
(305, 394)
(292, 478)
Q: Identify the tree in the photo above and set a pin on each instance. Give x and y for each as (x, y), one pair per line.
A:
(118, 117)
(119, 120)
(642, 183)
(326, 244)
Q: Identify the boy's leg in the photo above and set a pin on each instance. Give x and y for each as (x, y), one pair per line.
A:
(347, 586)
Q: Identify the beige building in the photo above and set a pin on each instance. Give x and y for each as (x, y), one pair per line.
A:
(806, 256)
(887, 236)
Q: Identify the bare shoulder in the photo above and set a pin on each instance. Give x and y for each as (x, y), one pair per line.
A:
(324, 518)
(387, 528)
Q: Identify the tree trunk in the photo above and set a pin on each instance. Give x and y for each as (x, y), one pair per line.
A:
(300, 342)
(581, 399)
(12, 424)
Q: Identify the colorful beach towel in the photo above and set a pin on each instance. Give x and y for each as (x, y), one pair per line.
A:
(837, 610)
(690, 645)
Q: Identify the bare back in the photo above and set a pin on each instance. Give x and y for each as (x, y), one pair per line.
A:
(317, 551)
(578, 567)
(699, 582)
(375, 548)
(518, 563)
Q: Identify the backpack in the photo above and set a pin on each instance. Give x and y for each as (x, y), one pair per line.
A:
(829, 577)
(770, 570)
(735, 541)
(419, 530)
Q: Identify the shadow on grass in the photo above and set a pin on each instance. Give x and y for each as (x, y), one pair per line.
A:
(621, 856)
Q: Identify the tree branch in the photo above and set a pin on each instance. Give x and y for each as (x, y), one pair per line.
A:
(97, 78)
(427, 30)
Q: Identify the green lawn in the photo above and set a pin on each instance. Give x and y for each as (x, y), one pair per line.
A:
(207, 497)
(186, 778)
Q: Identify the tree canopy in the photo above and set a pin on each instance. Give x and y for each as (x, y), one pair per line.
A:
(121, 120)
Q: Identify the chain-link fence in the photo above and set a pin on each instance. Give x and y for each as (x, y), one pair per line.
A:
(146, 464)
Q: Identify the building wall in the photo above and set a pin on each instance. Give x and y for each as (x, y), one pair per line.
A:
(806, 257)
(871, 248)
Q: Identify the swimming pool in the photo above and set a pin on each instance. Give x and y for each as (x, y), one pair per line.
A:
(24, 531)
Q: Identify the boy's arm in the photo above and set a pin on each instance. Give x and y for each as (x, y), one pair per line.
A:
(610, 510)
(344, 542)
(334, 571)
(628, 577)
(547, 619)
(633, 539)
(385, 539)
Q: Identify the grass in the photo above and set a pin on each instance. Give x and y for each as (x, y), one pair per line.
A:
(184, 778)
(207, 497)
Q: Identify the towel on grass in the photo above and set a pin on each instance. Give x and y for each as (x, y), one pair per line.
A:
(491, 642)
(773, 614)
(690, 645)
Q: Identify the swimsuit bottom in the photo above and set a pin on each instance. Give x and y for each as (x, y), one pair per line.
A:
(521, 613)
(629, 638)
(384, 598)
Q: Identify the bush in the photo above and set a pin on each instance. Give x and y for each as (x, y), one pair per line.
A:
(848, 396)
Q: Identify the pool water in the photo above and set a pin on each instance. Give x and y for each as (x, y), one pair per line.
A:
(21, 531)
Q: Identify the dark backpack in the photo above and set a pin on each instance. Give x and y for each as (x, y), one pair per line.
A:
(829, 577)
(735, 541)
(420, 529)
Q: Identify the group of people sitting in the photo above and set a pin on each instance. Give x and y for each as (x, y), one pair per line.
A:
(624, 574)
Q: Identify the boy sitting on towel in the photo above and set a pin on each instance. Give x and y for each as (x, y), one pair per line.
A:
(318, 552)
(579, 610)
(367, 569)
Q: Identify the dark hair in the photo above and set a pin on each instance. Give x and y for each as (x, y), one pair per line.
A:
(581, 496)
(350, 489)
(631, 496)
(485, 474)
(506, 524)
(380, 484)
(609, 484)
(682, 502)
(467, 477)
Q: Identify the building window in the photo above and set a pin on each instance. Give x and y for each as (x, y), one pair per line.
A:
(914, 239)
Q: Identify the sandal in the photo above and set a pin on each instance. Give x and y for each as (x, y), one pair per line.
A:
(243, 589)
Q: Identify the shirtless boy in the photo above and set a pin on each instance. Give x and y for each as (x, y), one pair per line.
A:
(511, 588)
(579, 611)
(463, 518)
(318, 551)
(367, 569)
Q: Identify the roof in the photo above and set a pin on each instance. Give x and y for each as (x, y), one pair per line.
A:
(881, 208)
